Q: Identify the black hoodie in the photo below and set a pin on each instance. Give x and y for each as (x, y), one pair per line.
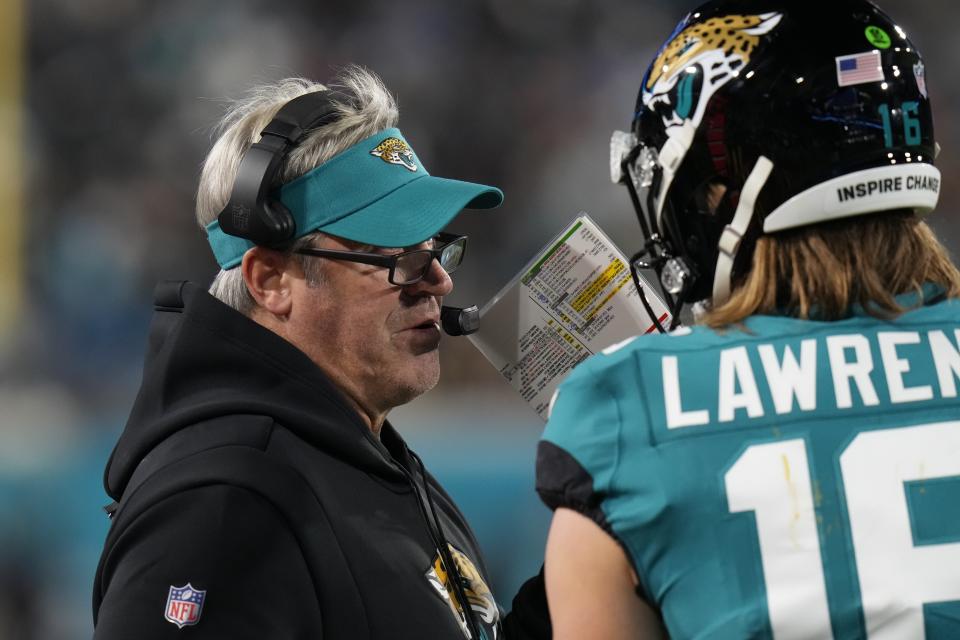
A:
(253, 502)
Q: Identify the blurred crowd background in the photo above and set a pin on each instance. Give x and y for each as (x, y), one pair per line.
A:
(106, 110)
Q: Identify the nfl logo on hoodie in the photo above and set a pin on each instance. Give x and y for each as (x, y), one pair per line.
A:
(184, 605)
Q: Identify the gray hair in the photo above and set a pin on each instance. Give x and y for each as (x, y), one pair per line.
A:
(367, 109)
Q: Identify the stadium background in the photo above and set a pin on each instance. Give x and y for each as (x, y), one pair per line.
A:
(106, 109)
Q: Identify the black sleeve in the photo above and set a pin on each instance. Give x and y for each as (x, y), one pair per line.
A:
(529, 618)
(245, 571)
(563, 482)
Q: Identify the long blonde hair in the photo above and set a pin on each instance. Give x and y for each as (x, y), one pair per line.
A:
(819, 272)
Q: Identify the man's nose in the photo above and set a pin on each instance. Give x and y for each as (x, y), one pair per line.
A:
(436, 282)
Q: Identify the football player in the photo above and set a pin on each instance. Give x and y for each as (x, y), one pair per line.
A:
(789, 467)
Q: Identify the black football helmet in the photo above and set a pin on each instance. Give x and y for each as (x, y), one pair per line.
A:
(763, 115)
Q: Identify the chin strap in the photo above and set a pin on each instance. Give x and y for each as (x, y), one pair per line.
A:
(670, 157)
(732, 234)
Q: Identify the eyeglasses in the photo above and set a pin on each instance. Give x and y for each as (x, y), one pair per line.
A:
(407, 267)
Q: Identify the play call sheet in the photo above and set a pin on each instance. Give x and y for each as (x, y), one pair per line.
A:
(576, 297)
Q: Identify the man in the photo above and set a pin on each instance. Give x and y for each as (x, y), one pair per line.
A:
(788, 468)
(261, 491)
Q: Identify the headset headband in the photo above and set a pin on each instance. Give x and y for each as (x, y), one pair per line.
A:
(251, 213)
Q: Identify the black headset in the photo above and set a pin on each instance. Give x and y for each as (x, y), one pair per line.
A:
(251, 212)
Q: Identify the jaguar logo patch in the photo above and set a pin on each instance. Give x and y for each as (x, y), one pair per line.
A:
(395, 151)
(479, 597)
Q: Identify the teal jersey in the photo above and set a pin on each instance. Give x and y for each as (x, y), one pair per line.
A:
(786, 479)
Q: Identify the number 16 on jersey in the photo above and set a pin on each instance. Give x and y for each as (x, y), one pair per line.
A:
(896, 576)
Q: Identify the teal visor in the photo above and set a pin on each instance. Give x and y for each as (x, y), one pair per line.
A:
(376, 192)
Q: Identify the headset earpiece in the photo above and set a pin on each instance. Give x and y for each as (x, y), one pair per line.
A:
(251, 212)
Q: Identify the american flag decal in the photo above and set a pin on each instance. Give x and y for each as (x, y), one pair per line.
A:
(859, 68)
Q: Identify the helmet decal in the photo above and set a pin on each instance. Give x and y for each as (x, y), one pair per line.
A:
(720, 47)
(859, 68)
(920, 76)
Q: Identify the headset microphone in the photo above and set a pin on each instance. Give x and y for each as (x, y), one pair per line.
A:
(460, 322)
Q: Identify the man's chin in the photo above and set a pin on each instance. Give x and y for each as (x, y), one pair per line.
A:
(422, 380)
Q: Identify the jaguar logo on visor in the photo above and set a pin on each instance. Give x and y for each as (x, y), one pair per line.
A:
(395, 151)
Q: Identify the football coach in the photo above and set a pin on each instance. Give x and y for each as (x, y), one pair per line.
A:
(260, 491)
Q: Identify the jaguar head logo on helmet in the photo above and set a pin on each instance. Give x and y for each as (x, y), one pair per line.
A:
(723, 45)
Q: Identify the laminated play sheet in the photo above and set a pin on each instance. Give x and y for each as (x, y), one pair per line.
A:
(576, 297)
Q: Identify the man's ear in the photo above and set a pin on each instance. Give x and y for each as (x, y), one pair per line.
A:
(267, 275)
